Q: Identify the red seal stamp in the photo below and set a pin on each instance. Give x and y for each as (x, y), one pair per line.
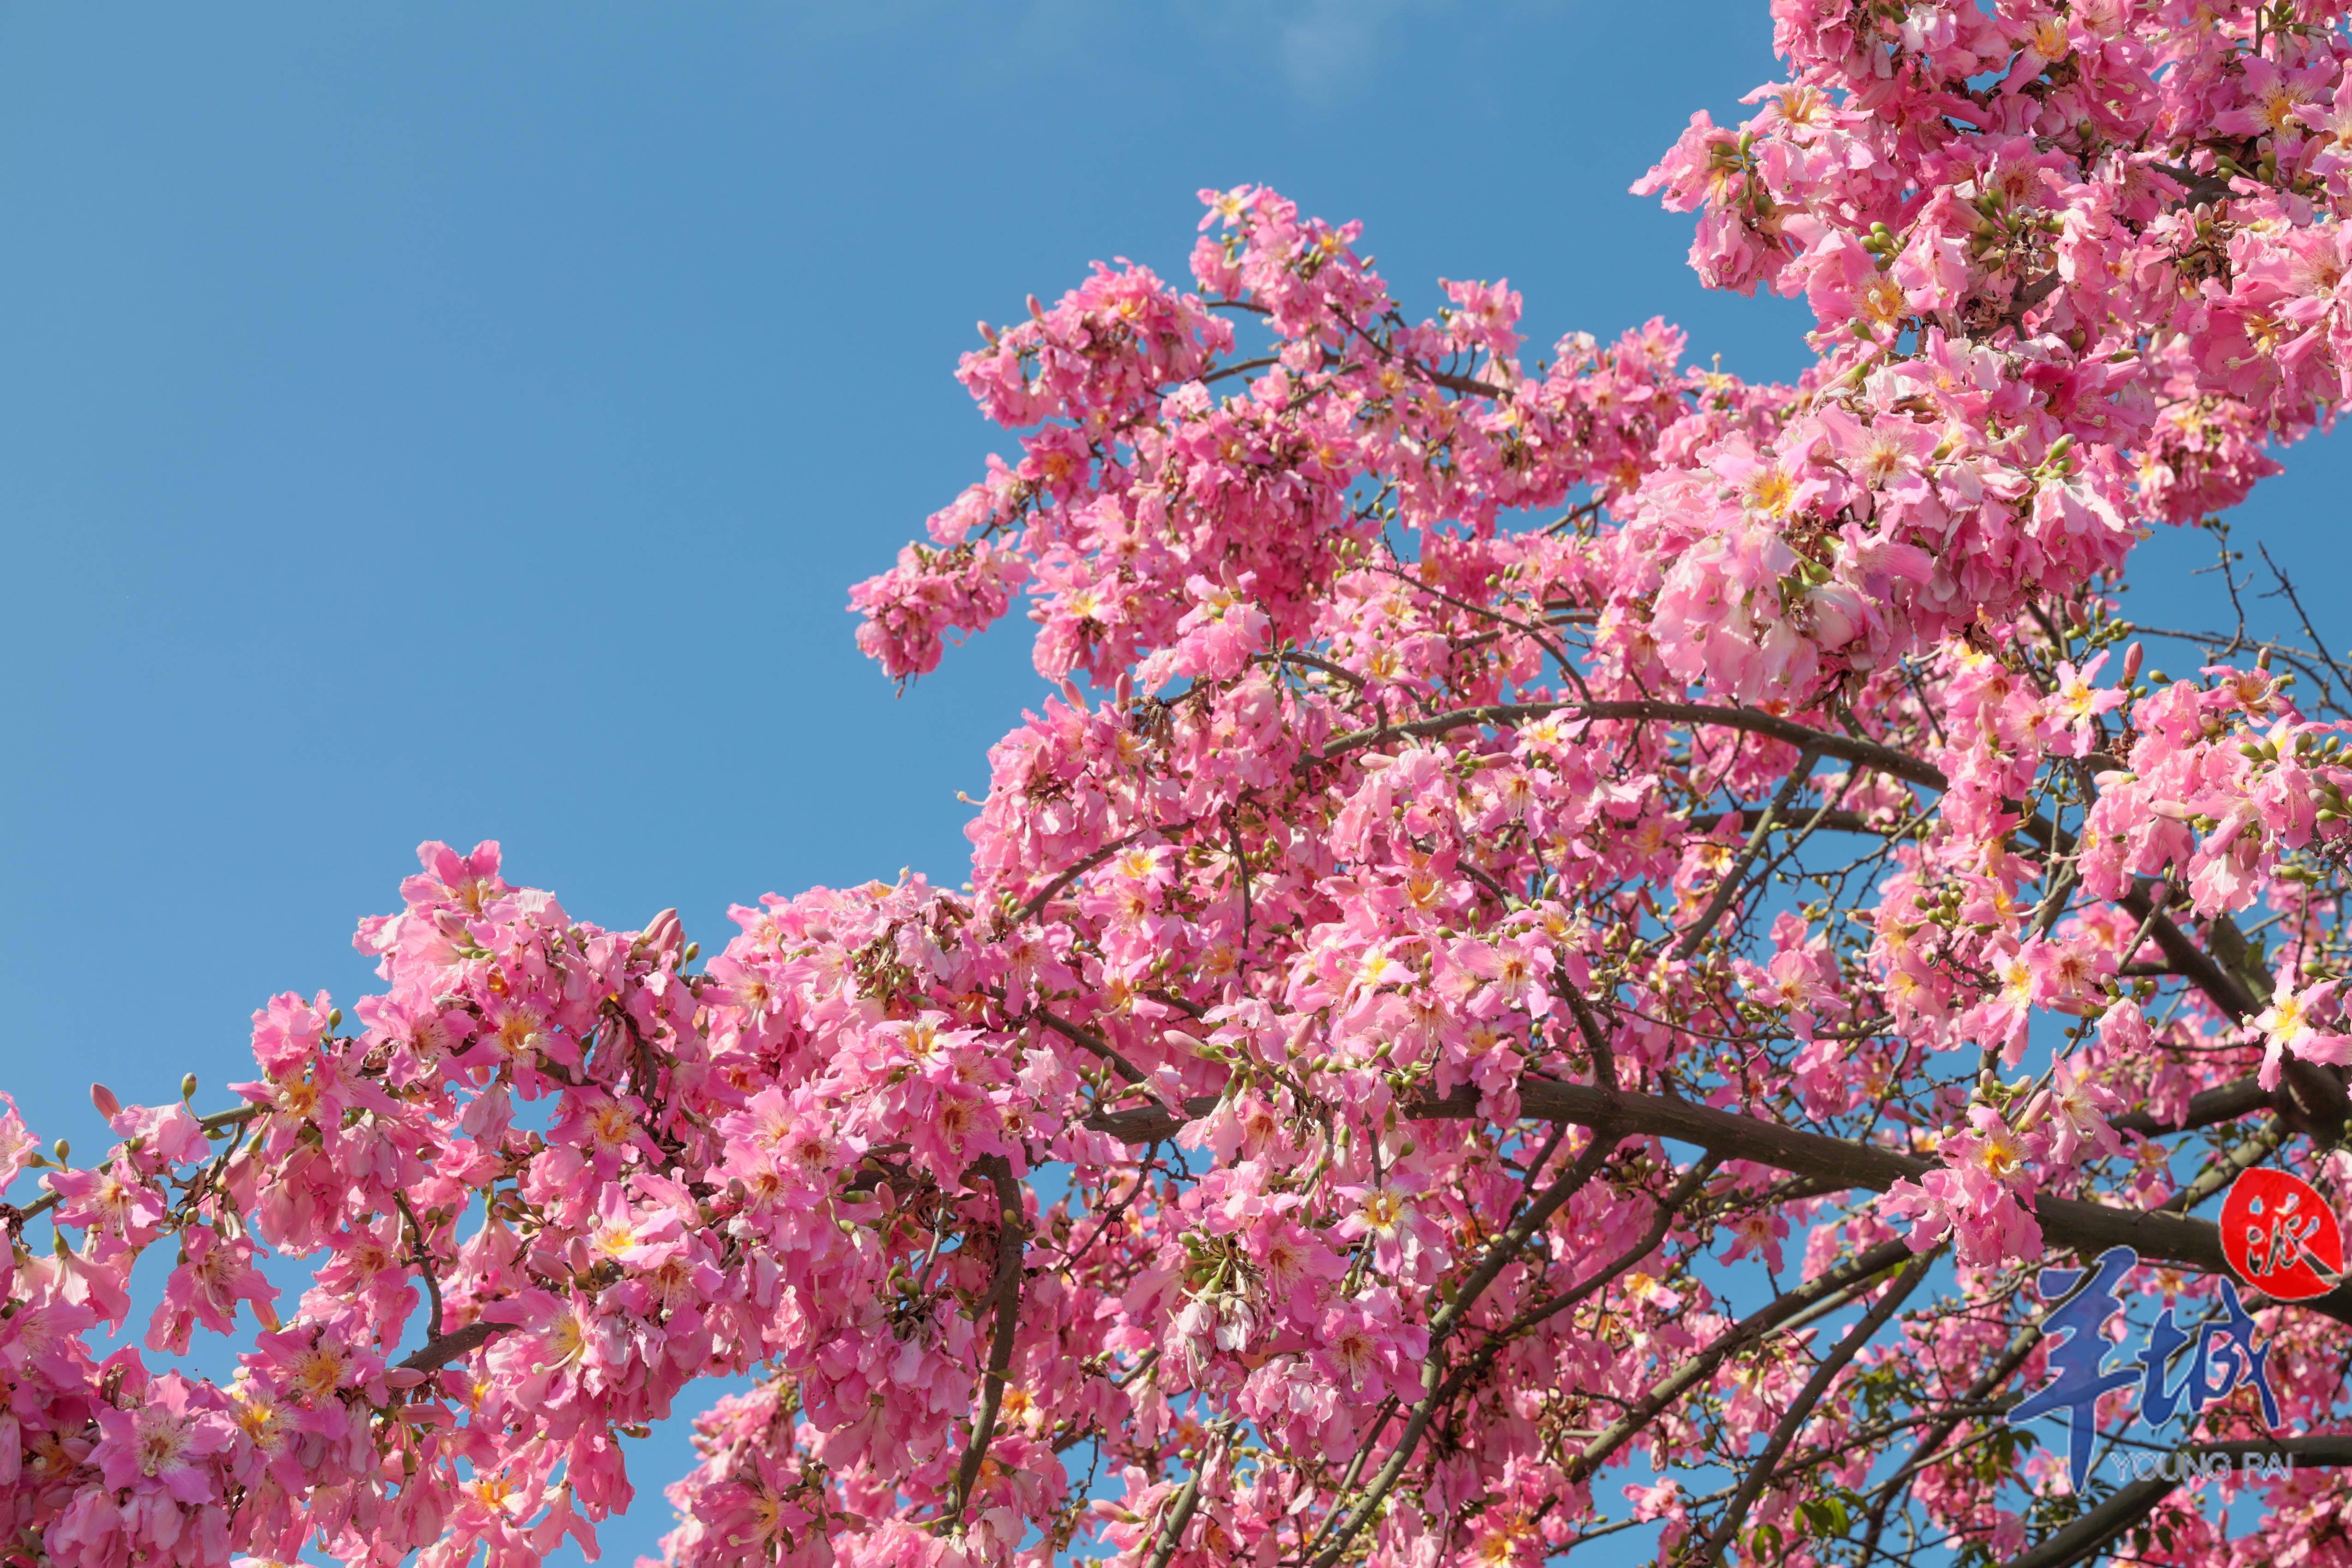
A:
(2281, 1238)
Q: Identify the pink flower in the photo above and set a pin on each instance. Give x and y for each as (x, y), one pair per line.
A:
(18, 1147)
(1978, 1196)
(286, 1034)
(2075, 1107)
(1369, 1350)
(214, 1274)
(2290, 1027)
(2071, 717)
(1393, 1225)
(162, 1445)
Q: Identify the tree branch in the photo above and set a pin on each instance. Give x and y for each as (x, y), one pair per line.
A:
(1755, 721)
(1128, 1071)
(1499, 1256)
(440, 1351)
(1085, 864)
(1584, 1289)
(423, 1264)
(2075, 1224)
(1830, 1286)
(1729, 888)
(1188, 1498)
(1801, 1408)
(2087, 1535)
(2224, 1102)
(1012, 1243)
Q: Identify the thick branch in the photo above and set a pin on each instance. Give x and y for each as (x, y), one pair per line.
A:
(2086, 1536)
(2082, 1227)
(2224, 1102)
(1755, 721)
(1004, 1294)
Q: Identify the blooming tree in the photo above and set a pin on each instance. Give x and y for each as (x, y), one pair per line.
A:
(1578, 933)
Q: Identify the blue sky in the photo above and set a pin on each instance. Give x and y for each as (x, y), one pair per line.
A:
(438, 420)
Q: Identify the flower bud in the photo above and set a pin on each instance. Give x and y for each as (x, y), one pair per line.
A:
(188, 1087)
(62, 1150)
(2132, 656)
(103, 1098)
(334, 1018)
(663, 934)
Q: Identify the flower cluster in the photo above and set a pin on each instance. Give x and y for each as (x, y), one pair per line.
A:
(1510, 839)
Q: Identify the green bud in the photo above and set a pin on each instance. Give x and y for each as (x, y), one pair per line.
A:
(64, 1151)
(188, 1087)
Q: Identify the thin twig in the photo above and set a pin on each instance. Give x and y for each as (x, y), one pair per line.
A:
(1729, 888)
